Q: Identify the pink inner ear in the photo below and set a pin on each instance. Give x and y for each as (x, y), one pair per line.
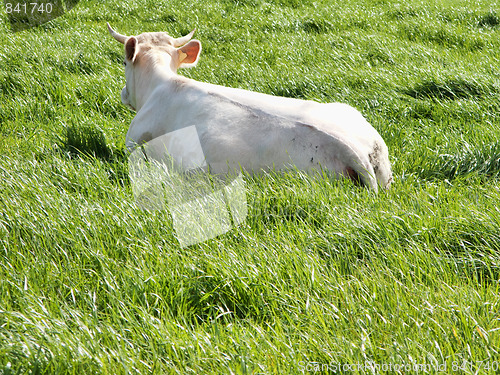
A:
(192, 50)
(130, 48)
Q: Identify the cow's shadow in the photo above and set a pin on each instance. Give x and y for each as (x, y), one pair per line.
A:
(89, 142)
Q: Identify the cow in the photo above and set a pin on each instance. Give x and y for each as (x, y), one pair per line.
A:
(240, 129)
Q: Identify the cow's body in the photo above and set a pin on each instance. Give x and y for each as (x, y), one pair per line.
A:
(239, 128)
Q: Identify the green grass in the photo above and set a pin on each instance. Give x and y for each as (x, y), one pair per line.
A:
(322, 272)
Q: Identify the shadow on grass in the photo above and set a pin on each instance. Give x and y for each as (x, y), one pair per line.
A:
(316, 26)
(451, 89)
(88, 141)
(213, 296)
(490, 19)
(473, 252)
(483, 161)
(298, 90)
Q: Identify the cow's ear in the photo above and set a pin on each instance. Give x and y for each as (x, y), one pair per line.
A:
(189, 54)
(131, 48)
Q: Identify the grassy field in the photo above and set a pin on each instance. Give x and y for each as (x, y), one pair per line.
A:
(322, 274)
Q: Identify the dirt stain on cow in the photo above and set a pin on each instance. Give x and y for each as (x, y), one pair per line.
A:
(375, 157)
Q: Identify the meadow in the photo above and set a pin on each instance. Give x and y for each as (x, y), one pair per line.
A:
(323, 276)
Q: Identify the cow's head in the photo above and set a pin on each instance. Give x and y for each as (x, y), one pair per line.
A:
(149, 50)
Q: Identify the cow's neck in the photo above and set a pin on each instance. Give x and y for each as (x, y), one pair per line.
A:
(147, 78)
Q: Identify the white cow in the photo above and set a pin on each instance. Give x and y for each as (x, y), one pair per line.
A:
(244, 129)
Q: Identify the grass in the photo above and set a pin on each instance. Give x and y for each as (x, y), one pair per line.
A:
(322, 272)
